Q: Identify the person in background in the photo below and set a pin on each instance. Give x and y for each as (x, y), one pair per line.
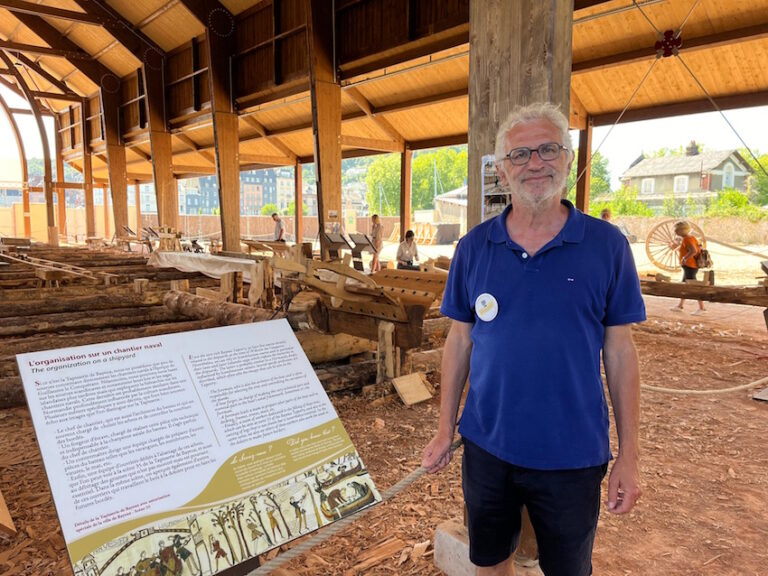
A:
(407, 253)
(605, 214)
(377, 240)
(689, 248)
(279, 228)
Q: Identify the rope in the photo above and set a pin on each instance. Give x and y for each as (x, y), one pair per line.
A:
(629, 102)
(680, 30)
(703, 392)
(339, 525)
(636, 5)
(716, 107)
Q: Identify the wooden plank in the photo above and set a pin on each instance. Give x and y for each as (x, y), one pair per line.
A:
(507, 37)
(371, 143)
(583, 166)
(405, 192)
(325, 95)
(6, 522)
(751, 295)
(90, 215)
(412, 388)
(299, 202)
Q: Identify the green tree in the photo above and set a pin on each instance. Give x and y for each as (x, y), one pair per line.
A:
(623, 202)
(672, 206)
(291, 209)
(600, 178)
(383, 185)
(731, 202)
(759, 185)
(436, 172)
(269, 209)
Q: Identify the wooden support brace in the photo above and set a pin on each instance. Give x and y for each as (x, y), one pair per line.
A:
(386, 353)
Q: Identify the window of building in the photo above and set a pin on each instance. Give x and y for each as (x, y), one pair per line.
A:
(728, 175)
(646, 187)
(681, 184)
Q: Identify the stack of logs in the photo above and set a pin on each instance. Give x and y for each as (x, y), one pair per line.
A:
(143, 303)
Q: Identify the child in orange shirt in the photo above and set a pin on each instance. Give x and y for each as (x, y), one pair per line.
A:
(689, 249)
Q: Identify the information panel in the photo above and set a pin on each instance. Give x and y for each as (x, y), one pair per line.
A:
(189, 453)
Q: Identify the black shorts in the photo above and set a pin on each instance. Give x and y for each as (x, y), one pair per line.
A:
(563, 505)
(689, 273)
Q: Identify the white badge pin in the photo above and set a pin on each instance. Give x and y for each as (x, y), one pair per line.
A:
(486, 307)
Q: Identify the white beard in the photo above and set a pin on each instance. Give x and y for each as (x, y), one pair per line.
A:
(539, 203)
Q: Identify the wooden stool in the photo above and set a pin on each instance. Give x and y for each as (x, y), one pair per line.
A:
(47, 278)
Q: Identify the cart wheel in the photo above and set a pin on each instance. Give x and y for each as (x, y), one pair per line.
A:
(662, 244)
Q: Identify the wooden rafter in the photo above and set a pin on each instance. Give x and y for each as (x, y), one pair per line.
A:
(708, 41)
(73, 54)
(271, 138)
(363, 103)
(19, 6)
(371, 144)
(38, 69)
(189, 143)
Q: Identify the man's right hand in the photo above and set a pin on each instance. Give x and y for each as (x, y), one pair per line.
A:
(437, 455)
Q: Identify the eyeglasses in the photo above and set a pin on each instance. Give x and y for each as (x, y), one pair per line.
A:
(547, 151)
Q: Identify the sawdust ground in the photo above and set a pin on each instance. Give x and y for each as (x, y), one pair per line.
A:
(704, 464)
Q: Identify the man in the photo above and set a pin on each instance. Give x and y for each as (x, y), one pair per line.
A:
(279, 228)
(536, 294)
(407, 252)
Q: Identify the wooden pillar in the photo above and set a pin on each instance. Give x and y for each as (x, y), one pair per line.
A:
(299, 201)
(23, 166)
(326, 116)
(405, 192)
(118, 183)
(520, 52)
(584, 164)
(60, 191)
(137, 192)
(85, 135)
(107, 231)
(160, 142)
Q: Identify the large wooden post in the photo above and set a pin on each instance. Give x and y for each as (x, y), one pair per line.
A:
(59, 190)
(326, 116)
(160, 142)
(90, 214)
(584, 166)
(118, 177)
(137, 192)
(405, 192)
(520, 52)
(23, 167)
(299, 201)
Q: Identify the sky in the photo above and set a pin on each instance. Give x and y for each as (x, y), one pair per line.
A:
(621, 146)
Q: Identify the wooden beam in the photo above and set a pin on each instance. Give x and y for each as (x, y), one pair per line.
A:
(325, 95)
(47, 176)
(584, 165)
(130, 36)
(44, 50)
(750, 295)
(19, 6)
(70, 97)
(137, 196)
(648, 52)
(501, 41)
(29, 63)
(272, 139)
(189, 143)
(438, 142)
(61, 192)
(372, 144)
(221, 45)
(405, 192)
(162, 152)
(116, 163)
(577, 119)
(298, 202)
(266, 160)
(23, 166)
(380, 121)
(746, 100)
(85, 136)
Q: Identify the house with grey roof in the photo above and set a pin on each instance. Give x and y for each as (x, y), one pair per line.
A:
(696, 175)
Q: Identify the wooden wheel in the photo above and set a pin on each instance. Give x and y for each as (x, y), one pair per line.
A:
(662, 244)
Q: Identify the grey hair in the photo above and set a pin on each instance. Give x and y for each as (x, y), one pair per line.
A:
(533, 113)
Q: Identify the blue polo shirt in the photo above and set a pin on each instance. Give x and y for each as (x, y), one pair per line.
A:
(536, 397)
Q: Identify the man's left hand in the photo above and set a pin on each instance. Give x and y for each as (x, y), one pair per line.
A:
(623, 485)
